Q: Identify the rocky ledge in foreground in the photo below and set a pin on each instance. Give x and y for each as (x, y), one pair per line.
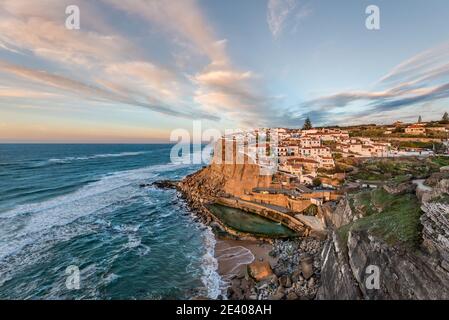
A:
(405, 240)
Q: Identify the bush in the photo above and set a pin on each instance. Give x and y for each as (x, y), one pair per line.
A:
(316, 182)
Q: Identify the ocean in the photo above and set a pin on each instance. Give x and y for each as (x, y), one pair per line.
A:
(65, 206)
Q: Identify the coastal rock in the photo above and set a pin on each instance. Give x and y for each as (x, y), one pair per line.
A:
(399, 189)
(285, 281)
(307, 267)
(439, 191)
(259, 270)
(435, 221)
(340, 215)
(292, 296)
(164, 184)
(337, 280)
(403, 273)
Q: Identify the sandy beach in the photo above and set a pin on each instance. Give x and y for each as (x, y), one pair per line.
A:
(233, 256)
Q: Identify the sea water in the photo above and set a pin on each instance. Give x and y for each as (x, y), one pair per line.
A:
(65, 205)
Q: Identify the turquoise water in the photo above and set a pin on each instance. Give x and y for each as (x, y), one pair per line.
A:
(251, 223)
(81, 205)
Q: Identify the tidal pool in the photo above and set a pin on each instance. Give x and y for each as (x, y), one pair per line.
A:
(250, 223)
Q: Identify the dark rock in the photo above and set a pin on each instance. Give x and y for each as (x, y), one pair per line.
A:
(166, 184)
(144, 185)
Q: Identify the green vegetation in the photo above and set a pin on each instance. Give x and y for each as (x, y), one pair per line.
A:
(307, 124)
(398, 170)
(445, 118)
(392, 218)
(367, 133)
(441, 161)
(414, 144)
(316, 182)
(311, 210)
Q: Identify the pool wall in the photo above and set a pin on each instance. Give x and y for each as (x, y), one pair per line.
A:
(271, 214)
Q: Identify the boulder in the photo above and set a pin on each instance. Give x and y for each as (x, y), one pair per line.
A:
(285, 281)
(292, 296)
(307, 267)
(260, 270)
(399, 189)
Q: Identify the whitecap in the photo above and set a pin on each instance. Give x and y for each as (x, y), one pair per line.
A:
(96, 156)
(211, 278)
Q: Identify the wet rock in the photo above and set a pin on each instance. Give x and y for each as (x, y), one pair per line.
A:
(164, 184)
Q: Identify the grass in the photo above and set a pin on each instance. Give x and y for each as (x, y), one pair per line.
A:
(396, 223)
(441, 161)
(398, 170)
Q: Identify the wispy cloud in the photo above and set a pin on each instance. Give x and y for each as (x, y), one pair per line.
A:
(93, 92)
(281, 13)
(100, 63)
(421, 79)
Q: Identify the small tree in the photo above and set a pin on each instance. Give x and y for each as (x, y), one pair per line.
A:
(445, 118)
(307, 124)
(419, 119)
(316, 182)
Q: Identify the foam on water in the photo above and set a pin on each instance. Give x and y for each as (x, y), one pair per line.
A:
(28, 231)
(211, 279)
(97, 156)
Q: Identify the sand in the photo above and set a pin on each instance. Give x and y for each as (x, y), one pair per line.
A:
(233, 256)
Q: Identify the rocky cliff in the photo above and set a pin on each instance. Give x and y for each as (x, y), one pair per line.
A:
(384, 232)
(220, 180)
(234, 179)
(404, 272)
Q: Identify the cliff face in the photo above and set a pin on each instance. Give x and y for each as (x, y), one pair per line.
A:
(404, 273)
(339, 216)
(337, 280)
(218, 179)
(435, 221)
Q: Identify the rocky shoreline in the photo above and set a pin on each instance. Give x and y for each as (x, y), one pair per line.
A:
(292, 270)
(335, 268)
(295, 275)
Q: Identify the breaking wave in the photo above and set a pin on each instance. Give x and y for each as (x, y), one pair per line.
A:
(96, 156)
(31, 234)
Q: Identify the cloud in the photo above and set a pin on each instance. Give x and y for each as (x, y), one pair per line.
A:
(102, 64)
(112, 66)
(219, 87)
(38, 28)
(93, 92)
(183, 18)
(282, 12)
(423, 78)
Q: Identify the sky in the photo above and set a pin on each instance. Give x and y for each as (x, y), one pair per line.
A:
(136, 70)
